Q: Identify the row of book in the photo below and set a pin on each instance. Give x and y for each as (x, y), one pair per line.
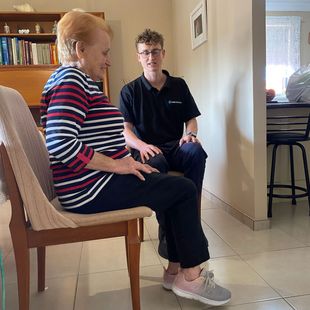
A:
(14, 51)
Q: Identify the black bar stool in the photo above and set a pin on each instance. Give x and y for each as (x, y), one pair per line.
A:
(288, 130)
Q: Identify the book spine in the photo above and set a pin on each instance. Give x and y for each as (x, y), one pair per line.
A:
(5, 52)
(1, 57)
(34, 53)
(10, 51)
(14, 51)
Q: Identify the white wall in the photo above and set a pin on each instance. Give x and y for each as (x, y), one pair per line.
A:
(226, 77)
(127, 18)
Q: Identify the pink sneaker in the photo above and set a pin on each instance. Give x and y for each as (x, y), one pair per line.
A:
(168, 280)
(203, 289)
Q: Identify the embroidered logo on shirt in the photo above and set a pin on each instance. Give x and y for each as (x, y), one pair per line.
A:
(174, 101)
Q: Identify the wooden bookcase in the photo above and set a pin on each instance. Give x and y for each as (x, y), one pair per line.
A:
(29, 80)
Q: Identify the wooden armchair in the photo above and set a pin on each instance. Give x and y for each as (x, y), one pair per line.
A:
(37, 218)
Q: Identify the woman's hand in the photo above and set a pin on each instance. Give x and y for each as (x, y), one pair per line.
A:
(128, 165)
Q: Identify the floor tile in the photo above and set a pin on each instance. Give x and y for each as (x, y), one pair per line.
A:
(299, 302)
(287, 271)
(61, 261)
(217, 218)
(207, 203)
(111, 290)
(263, 305)
(5, 241)
(217, 246)
(232, 231)
(5, 213)
(110, 254)
(59, 295)
(293, 220)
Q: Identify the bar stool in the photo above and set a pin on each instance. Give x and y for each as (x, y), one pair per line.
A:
(288, 130)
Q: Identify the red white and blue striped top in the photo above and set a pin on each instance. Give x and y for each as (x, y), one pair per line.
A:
(79, 120)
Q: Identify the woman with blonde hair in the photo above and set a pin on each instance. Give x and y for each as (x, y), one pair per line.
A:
(94, 172)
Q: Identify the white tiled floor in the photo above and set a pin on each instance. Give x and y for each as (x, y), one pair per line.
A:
(265, 270)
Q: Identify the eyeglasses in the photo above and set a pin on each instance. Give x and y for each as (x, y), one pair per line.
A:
(155, 52)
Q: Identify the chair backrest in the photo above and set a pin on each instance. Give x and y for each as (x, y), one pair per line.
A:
(29, 160)
(294, 126)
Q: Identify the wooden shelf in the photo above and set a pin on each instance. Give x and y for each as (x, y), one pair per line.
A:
(27, 67)
(29, 17)
(37, 37)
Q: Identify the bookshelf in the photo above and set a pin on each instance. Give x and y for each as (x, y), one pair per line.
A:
(21, 73)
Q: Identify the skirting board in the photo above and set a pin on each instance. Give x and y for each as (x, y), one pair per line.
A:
(243, 218)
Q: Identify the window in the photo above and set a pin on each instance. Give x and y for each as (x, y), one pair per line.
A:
(282, 51)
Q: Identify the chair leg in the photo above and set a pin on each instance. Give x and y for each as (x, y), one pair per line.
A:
(141, 229)
(304, 156)
(41, 254)
(271, 182)
(133, 246)
(22, 260)
(292, 175)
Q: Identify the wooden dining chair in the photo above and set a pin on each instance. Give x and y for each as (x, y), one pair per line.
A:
(37, 218)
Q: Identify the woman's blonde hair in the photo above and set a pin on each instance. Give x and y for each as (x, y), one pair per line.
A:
(77, 26)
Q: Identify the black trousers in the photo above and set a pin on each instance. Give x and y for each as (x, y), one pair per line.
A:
(189, 158)
(172, 196)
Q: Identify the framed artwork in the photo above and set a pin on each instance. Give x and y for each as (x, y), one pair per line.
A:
(199, 26)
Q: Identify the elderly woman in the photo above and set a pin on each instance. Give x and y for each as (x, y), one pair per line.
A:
(92, 169)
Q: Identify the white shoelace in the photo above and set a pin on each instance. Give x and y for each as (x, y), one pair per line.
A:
(209, 278)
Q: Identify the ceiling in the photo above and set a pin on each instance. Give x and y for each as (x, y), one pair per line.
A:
(288, 5)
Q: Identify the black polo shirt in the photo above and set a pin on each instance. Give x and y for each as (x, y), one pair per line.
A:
(158, 116)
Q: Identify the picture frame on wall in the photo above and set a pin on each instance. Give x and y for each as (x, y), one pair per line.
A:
(199, 25)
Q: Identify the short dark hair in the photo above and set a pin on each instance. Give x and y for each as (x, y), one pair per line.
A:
(149, 36)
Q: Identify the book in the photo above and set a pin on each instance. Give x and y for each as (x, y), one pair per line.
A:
(10, 51)
(34, 53)
(54, 54)
(1, 59)
(14, 51)
(5, 52)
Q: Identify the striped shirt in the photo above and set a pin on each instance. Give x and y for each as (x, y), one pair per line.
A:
(79, 120)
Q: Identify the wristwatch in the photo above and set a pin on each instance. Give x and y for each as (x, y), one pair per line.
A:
(192, 133)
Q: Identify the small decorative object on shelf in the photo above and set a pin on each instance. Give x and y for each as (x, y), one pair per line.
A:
(6, 28)
(37, 28)
(54, 30)
(23, 31)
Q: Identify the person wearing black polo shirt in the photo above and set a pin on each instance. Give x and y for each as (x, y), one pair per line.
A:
(157, 108)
